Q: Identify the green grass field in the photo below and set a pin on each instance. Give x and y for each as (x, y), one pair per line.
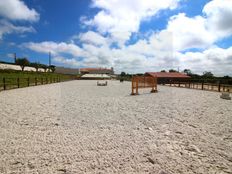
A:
(15, 79)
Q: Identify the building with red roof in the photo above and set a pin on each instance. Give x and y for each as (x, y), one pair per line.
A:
(163, 77)
(97, 71)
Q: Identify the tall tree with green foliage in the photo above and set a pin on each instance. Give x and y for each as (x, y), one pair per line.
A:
(45, 67)
(52, 68)
(172, 70)
(207, 74)
(123, 74)
(187, 71)
(36, 65)
(22, 62)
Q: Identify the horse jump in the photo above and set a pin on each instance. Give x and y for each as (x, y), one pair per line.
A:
(143, 82)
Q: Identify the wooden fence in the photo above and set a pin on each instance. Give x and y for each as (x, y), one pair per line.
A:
(201, 86)
(12, 83)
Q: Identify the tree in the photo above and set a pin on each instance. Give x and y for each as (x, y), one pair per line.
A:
(162, 71)
(172, 70)
(207, 74)
(187, 71)
(226, 77)
(36, 66)
(22, 62)
(45, 67)
(123, 74)
(52, 68)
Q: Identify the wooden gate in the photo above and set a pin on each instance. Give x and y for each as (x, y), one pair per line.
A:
(143, 82)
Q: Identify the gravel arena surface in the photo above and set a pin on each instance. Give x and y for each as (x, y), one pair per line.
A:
(78, 127)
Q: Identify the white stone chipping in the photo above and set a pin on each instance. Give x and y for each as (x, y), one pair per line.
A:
(79, 127)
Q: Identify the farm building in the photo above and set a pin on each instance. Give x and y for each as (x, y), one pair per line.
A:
(97, 71)
(95, 76)
(167, 77)
(63, 70)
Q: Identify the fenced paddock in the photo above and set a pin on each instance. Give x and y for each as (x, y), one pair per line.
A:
(218, 87)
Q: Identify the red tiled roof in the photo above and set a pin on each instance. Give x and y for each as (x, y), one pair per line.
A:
(168, 75)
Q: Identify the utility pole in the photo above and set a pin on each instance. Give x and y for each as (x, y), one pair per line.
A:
(49, 58)
(15, 57)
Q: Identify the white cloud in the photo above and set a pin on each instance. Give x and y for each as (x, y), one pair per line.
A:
(189, 32)
(140, 57)
(202, 31)
(92, 38)
(8, 28)
(219, 17)
(54, 48)
(70, 62)
(160, 50)
(122, 17)
(215, 59)
(17, 10)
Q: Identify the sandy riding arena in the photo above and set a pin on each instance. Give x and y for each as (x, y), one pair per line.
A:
(78, 127)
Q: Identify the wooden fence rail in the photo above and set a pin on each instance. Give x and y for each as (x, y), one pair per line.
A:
(201, 86)
(12, 83)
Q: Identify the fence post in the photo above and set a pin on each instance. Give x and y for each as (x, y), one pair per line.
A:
(137, 86)
(18, 82)
(28, 81)
(219, 86)
(4, 83)
(35, 81)
(202, 86)
(41, 80)
(46, 80)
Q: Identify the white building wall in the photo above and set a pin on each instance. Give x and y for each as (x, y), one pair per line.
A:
(17, 67)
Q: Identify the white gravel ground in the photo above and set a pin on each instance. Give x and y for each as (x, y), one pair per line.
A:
(79, 127)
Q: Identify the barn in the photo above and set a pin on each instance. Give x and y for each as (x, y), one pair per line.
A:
(168, 77)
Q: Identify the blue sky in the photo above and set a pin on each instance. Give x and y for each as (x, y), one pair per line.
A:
(130, 35)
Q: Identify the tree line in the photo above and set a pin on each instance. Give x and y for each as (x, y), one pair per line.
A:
(23, 62)
(207, 76)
